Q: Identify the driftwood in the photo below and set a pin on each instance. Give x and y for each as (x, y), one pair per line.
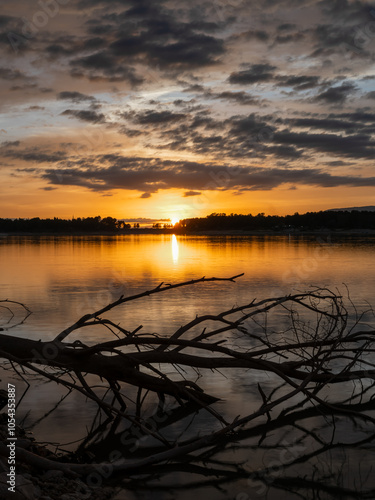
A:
(310, 357)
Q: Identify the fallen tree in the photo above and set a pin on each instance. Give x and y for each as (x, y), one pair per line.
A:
(318, 350)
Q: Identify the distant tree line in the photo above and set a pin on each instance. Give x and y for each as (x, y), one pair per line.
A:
(56, 225)
(331, 220)
(159, 225)
(308, 221)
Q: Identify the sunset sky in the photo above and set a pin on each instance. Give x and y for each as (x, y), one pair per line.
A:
(166, 109)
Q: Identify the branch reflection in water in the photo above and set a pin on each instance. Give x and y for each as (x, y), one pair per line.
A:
(311, 411)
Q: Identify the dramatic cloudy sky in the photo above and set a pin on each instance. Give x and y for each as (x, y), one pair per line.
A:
(159, 108)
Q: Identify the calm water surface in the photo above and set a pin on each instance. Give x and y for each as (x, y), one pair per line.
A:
(62, 278)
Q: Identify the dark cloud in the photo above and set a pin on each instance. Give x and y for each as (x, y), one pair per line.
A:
(248, 127)
(357, 116)
(104, 66)
(190, 51)
(301, 82)
(130, 132)
(280, 151)
(11, 74)
(259, 35)
(195, 88)
(31, 86)
(240, 97)
(152, 117)
(259, 136)
(339, 39)
(27, 86)
(338, 163)
(253, 74)
(150, 175)
(85, 115)
(56, 50)
(5, 20)
(354, 146)
(70, 45)
(12, 144)
(330, 124)
(187, 194)
(265, 73)
(33, 155)
(146, 34)
(336, 95)
(286, 27)
(74, 96)
(371, 95)
(36, 156)
(289, 38)
(145, 195)
(346, 10)
(330, 36)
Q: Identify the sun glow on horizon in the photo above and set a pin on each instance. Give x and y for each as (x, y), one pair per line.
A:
(174, 220)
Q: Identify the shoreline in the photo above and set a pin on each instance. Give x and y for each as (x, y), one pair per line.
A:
(213, 232)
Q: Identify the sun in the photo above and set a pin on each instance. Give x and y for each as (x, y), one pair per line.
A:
(174, 220)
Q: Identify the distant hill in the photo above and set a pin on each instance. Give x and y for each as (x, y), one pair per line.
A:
(370, 208)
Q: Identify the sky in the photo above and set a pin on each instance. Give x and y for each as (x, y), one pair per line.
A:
(165, 109)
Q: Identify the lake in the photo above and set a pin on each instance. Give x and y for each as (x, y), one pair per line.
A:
(61, 278)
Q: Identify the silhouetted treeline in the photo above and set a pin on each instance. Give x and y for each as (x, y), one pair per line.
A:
(56, 225)
(301, 222)
(310, 221)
